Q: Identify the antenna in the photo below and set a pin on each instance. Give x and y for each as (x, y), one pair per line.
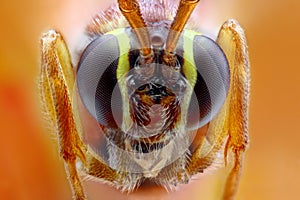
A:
(131, 11)
(184, 12)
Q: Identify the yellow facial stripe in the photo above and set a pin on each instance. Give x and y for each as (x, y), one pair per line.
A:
(189, 70)
(189, 66)
(124, 47)
(122, 69)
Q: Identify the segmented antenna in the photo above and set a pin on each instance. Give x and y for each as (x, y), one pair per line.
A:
(131, 11)
(184, 12)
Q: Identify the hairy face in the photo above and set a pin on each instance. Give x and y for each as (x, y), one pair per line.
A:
(155, 93)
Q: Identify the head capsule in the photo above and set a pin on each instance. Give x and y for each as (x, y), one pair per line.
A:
(151, 105)
(111, 74)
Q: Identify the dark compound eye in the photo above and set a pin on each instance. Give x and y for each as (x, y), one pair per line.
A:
(213, 79)
(97, 79)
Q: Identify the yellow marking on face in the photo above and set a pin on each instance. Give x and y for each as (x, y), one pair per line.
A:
(190, 72)
(189, 66)
(124, 47)
(122, 69)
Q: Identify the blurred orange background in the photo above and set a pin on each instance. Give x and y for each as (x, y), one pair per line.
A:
(30, 168)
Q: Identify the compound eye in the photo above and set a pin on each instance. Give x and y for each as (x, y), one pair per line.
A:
(213, 79)
(96, 79)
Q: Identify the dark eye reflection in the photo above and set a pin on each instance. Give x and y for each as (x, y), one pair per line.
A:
(142, 88)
